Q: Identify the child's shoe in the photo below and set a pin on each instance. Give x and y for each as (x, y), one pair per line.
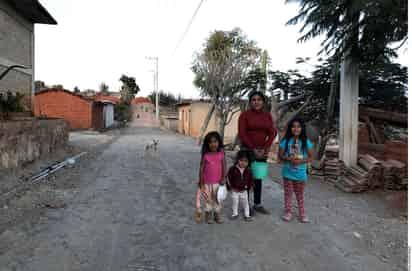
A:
(287, 217)
(234, 217)
(198, 216)
(208, 218)
(304, 219)
(218, 218)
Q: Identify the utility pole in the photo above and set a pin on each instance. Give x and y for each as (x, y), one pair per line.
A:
(156, 83)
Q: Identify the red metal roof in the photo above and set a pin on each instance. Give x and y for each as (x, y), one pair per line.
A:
(141, 100)
(103, 98)
(89, 99)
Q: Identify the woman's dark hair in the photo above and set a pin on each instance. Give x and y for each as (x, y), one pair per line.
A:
(302, 135)
(208, 137)
(242, 155)
(258, 93)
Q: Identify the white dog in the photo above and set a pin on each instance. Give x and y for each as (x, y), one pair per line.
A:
(152, 146)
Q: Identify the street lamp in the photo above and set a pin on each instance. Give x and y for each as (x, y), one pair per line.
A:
(156, 83)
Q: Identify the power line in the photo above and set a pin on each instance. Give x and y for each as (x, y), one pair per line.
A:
(188, 26)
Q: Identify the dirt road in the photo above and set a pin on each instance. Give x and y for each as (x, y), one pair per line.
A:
(127, 210)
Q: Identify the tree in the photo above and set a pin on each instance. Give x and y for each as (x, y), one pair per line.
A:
(383, 85)
(165, 98)
(356, 32)
(39, 86)
(363, 29)
(129, 87)
(122, 112)
(76, 89)
(224, 72)
(57, 86)
(104, 89)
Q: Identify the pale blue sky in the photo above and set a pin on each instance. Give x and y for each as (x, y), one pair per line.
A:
(98, 40)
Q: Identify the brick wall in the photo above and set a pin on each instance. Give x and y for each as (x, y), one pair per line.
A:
(62, 104)
(25, 141)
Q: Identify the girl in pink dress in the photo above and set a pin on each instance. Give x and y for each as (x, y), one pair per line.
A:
(212, 174)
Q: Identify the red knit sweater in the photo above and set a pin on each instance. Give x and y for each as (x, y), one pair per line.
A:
(256, 129)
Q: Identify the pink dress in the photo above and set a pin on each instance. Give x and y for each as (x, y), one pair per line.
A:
(212, 167)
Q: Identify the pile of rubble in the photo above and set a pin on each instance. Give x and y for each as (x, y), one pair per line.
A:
(370, 173)
(367, 174)
(394, 175)
(329, 167)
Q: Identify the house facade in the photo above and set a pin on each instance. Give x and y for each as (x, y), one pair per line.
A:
(143, 109)
(17, 19)
(80, 112)
(108, 110)
(192, 116)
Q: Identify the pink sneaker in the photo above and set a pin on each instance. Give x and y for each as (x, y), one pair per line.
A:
(287, 217)
(304, 219)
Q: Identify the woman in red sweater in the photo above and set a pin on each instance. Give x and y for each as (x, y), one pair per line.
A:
(256, 133)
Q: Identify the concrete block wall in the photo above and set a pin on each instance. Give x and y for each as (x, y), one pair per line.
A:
(25, 141)
(170, 124)
(16, 47)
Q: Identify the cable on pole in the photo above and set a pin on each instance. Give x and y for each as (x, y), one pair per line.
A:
(188, 27)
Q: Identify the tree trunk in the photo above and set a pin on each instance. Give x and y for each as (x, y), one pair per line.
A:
(329, 113)
(285, 95)
(205, 124)
(262, 85)
(222, 121)
(274, 110)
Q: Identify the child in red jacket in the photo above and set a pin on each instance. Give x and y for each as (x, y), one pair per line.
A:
(240, 181)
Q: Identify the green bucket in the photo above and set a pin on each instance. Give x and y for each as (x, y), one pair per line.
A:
(259, 170)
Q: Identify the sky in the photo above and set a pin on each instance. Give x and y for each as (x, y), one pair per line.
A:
(99, 40)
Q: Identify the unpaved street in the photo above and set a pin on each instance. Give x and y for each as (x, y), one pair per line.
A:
(127, 210)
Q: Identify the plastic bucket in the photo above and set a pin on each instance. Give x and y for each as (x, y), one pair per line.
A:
(259, 170)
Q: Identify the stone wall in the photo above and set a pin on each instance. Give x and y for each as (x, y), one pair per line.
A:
(25, 141)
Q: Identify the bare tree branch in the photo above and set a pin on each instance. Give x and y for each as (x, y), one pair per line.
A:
(232, 113)
(291, 100)
(297, 112)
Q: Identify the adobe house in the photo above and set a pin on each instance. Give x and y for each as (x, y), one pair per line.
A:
(143, 109)
(79, 111)
(17, 19)
(192, 115)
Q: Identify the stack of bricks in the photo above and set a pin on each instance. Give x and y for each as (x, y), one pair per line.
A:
(333, 168)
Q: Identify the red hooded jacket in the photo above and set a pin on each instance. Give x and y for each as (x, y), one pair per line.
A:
(238, 181)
